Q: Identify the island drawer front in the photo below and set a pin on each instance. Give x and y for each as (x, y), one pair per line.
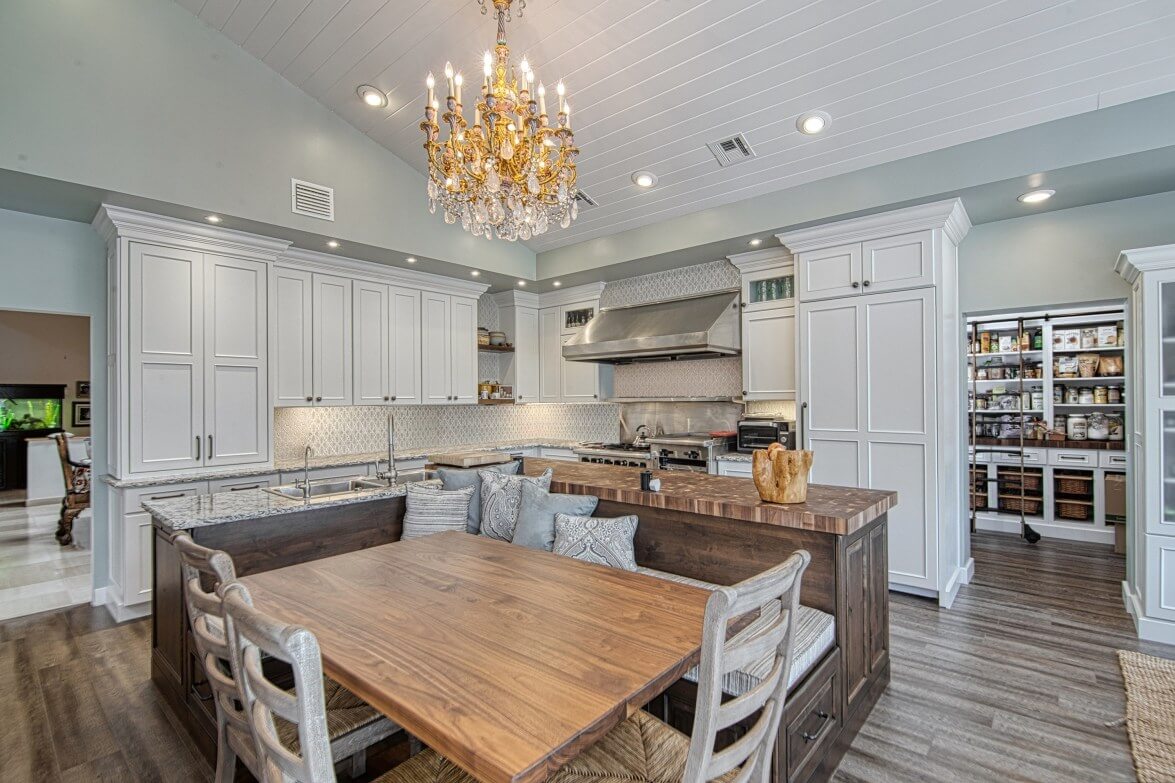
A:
(242, 483)
(1084, 459)
(1112, 459)
(812, 720)
(134, 497)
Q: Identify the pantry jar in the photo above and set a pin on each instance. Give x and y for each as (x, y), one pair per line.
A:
(1037, 398)
(1114, 395)
(1099, 427)
(1117, 428)
(1085, 397)
(1071, 395)
(1077, 426)
(1101, 395)
(1058, 394)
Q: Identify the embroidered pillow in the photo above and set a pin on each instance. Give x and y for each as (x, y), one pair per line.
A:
(501, 496)
(603, 540)
(432, 510)
(536, 514)
(460, 478)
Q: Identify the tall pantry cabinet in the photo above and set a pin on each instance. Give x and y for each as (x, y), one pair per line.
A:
(1149, 589)
(879, 378)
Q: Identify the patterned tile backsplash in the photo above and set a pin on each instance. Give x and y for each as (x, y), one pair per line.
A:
(694, 378)
(351, 430)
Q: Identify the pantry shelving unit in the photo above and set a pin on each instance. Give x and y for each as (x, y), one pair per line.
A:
(1025, 475)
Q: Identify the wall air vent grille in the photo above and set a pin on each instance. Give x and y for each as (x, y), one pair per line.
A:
(735, 149)
(585, 201)
(316, 201)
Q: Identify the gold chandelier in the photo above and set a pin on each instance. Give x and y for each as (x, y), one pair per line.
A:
(512, 174)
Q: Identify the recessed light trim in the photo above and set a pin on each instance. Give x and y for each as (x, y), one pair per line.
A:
(755, 242)
(1036, 196)
(556, 283)
(812, 123)
(522, 284)
(410, 260)
(332, 244)
(475, 273)
(214, 218)
(644, 179)
(372, 96)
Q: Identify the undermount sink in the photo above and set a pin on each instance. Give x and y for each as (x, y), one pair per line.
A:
(327, 488)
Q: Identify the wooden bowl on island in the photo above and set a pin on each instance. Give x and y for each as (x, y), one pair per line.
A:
(781, 476)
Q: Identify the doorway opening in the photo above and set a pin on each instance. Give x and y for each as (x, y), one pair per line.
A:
(45, 455)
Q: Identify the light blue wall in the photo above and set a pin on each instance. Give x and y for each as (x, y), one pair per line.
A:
(58, 266)
(141, 97)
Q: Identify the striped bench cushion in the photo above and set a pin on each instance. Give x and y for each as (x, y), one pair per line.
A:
(815, 635)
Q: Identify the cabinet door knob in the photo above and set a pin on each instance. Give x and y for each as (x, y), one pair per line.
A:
(866, 284)
(197, 448)
(744, 392)
(386, 398)
(310, 398)
(210, 451)
(318, 399)
(596, 396)
(856, 284)
(393, 398)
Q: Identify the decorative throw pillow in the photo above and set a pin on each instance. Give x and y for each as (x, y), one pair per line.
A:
(460, 478)
(536, 514)
(603, 540)
(500, 498)
(433, 510)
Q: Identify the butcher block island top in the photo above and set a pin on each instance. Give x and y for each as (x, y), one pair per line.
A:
(836, 510)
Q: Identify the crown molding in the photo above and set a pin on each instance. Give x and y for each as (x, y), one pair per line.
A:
(566, 296)
(516, 299)
(1132, 263)
(113, 222)
(331, 264)
(948, 216)
(760, 260)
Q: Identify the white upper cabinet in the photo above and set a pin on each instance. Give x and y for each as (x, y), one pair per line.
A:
(404, 346)
(518, 317)
(463, 349)
(332, 340)
(550, 356)
(581, 380)
(435, 362)
(236, 350)
(768, 324)
(562, 315)
(896, 263)
(830, 272)
(293, 337)
(370, 333)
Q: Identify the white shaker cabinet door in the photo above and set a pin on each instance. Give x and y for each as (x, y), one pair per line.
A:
(829, 272)
(526, 354)
(830, 394)
(581, 380)
(550, 355)
(435, 359)
(896, 263)
(404, 346)
(166, 361)
(463, 349)
(370, 355)
(332, 340)
(293, 339)
(769, 354)
(236, 347)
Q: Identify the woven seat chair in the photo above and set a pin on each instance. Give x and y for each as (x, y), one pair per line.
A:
(642, 749)
(77, 489)
(353, 725)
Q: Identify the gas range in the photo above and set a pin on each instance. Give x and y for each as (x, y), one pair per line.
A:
(625, 454)
(696, 451)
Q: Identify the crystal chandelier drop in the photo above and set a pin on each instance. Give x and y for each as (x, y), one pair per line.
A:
(510, 175)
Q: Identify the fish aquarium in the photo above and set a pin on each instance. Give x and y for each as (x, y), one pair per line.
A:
(30, 407)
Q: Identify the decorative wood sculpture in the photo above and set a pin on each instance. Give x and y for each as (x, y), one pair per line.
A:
(781, 476)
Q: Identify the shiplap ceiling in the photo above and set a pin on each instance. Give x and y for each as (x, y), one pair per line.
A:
(652, 81)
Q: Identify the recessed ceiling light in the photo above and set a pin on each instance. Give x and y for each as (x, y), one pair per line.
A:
(813, 122)
(372, 96)
(410, 260)
(522, 284)
(1036, 196)
(556, 284)
(213, 218)
(644, 179)
(475, 273)
(333, 243)
(755, 242)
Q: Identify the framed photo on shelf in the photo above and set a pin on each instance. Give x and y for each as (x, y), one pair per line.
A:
(84, 389)
(81, 413)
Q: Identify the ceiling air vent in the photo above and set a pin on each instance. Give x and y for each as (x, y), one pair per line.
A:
(730, 151)
(316, 201)
(585, 201)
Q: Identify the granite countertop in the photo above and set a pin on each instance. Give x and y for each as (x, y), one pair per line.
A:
(836, 510)
(331, 461)
(203, 510)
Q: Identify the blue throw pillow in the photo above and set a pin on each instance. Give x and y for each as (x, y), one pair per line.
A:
(460, 478)
(536, 515)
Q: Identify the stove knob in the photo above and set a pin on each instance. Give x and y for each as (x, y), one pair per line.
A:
(665, 452)
(694, 455)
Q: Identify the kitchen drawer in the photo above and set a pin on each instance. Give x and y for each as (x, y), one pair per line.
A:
(1113, 459)
(814, 723)
(565, 454)
(241, 483)
(133, 498)
(983, 456)
(1031, 457)
(346, 471)
(1073, 458)
(734, 468)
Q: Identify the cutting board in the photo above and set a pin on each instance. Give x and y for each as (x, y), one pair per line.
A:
(469, 459)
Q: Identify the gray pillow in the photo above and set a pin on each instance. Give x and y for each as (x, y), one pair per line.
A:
(460, 478)
(607, 541)
(433, 510)
(537, 510)
(500, 497)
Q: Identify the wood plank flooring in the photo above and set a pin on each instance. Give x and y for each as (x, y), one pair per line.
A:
(1015, 683)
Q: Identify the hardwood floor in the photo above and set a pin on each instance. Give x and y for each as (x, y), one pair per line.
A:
(1016, 682)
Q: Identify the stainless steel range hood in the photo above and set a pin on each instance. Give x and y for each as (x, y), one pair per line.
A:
(697, 327)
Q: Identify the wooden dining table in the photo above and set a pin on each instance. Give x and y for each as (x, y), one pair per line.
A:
(506, 660)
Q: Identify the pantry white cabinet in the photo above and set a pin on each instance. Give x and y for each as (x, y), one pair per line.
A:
(879, 378)
(768, 324)
(563, 314)
(1149, 589)
(448, 349)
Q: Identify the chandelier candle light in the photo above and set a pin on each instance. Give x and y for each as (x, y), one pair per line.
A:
(512, 174)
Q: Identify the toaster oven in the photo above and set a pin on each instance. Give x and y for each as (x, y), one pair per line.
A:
(760, 433)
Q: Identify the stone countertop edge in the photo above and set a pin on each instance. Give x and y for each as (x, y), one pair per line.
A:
(196, 511)
(329, 461)
(735, 456)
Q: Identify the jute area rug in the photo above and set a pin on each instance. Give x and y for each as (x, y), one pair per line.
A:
(1150, 715)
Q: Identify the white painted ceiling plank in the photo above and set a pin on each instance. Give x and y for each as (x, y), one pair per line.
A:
(216, 12)
(244, 19)
(273, 25)
(340, 29)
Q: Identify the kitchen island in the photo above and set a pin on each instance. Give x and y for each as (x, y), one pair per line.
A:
(698, 526)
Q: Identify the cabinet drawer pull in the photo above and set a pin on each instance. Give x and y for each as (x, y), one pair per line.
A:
(244, 487)
(168, 496)
(811, 736)
(198, 448)
(1071, 458)
(211, 453)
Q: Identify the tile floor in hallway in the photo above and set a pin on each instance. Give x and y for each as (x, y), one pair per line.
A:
(36, 573)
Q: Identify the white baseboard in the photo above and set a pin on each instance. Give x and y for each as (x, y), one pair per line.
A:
(1047, 530)
(969, 571)
(961, 576)
(122, 613)
(1148, 628)
(918, 591)
(99, 597)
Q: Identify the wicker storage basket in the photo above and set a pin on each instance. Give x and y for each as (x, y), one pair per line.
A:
(1012, 478)
(1073, 485)
(1012, 503)
(1078, 511)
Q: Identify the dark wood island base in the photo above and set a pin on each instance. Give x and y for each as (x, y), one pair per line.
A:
(705, 527)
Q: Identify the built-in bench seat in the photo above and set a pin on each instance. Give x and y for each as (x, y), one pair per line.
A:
(815, 635)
